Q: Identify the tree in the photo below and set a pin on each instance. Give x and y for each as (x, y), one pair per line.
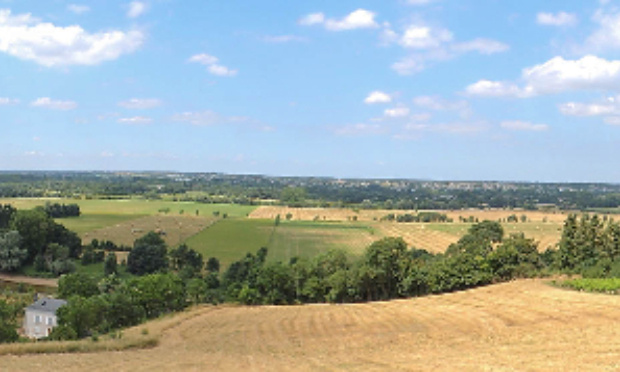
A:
(6, 214)
(213, 265)
(517, 257)
(8, 328)
(186, 260)
(293, 196)
(382, 266)
(157, 294)
(82, 316)
(77, 284)
(149, 255)
(33, 226)
(490, 230)
(275, 284)
(12, 255)
(110, 264)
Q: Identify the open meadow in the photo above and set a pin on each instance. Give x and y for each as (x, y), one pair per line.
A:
(520, 325)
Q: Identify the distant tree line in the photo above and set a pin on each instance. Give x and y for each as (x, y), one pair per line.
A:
(424, 217)
(311, 191)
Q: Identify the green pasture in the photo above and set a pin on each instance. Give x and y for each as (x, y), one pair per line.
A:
(307, 239)
(601, 285)
(231, 239)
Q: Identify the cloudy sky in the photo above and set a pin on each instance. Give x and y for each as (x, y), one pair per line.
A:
(432, 89)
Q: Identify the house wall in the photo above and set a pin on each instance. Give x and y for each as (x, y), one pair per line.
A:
(38, 324)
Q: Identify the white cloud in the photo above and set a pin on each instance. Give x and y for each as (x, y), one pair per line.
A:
(422, 37)
(518, 125)
(558, 74)
(204, 59)
(140, 103)
(358, 19)
(212, 66)
(8, 101)
(397, 112)
(610, 108)
(136, 120)
(488, 88)
(220, 70)
(312, 19)
(481, 45)
(46, 102)
(606, 37)
(206, 118)
(78, 8)
(378, 97)
(557, 19)
(583, 109)
(136, 9)
(555, 76)
(26, 37)
(428, 45)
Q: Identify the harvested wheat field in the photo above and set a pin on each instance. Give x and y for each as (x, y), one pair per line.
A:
(346, 214)
(521, 325)
(420, 235)
(174, 229)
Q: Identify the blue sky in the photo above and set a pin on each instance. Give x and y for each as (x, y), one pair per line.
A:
(428, 89)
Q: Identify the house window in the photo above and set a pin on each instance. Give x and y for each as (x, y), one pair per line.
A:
(50, 321)
(37, 319)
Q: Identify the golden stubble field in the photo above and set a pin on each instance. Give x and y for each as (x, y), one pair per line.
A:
(174, 229)
(520, 325)
(544, 227)
(368, 215)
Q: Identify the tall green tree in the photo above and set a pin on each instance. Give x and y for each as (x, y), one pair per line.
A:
(33, 226)
(149, 255)
(12, 255)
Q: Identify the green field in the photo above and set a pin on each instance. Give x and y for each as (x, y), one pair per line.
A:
(230, 239)
(307, 239)
(601, 285)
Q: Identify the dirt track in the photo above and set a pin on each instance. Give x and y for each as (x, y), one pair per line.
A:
(29, 280)
(524, 325)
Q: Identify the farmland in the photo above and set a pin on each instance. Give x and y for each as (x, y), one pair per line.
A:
(230, 239)
(521, 325)
(308, 232)
(544, 227)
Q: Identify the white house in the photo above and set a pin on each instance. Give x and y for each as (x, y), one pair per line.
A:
(41, 318)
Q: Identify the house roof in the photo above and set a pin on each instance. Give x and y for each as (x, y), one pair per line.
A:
(48, 305)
